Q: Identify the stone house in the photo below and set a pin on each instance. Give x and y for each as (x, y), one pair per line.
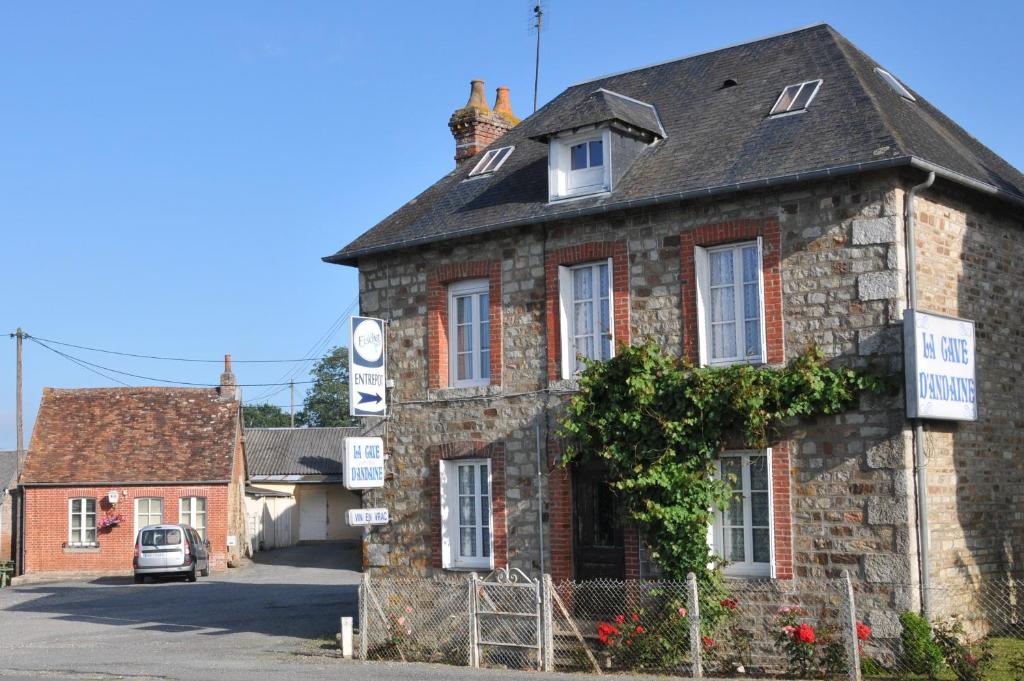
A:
(104, 462)
(297, 492)
(735, 206)
(8, 483)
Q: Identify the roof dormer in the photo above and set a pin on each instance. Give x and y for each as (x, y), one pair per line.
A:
(594, 143)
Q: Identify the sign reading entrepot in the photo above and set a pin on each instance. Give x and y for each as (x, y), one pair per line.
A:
(366, 367)
(939, 361)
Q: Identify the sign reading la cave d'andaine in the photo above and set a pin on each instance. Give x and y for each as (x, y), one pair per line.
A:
(366, 367)
(940, 372)
(364, 463)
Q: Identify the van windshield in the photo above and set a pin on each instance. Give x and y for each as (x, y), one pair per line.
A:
(161, 537)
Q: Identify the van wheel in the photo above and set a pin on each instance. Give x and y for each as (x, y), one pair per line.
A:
(139, 579)
(192, 575)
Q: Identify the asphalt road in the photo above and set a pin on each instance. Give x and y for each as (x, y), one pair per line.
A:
(274, 619)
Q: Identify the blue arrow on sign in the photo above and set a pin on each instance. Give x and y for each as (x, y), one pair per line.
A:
(368, 397)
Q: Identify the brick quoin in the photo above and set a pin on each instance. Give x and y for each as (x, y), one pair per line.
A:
(48, 526)
(560, 537)
(724, 233)
(782, 511)
(453, 451)
(577, 255)
(437, 316)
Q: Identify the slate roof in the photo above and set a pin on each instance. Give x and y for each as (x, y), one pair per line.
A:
(296, 451)
(718, 139)
(132, 435)
(8, 469)
(602, 106)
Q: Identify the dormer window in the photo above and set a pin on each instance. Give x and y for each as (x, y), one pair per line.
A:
(491, 161)
(580, 164)
(795, 98)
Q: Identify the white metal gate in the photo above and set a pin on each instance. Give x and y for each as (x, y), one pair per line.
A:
(506, 620)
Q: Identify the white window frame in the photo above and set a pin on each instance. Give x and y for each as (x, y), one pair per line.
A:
(893, 82)
(473, 289)
(567, 300)
(83, 515)
(746, 568)
(148, 514)
(703, 274)
(188, 517)
(491, 161)
(451, 557)
(560, 164)
(789, 110)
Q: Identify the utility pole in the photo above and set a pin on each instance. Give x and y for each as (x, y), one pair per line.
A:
(19, 335)
(292, 385)
(538, 12)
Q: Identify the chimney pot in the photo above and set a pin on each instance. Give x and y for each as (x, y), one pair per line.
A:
(477, 98)
(229, 389)
(503, 105)
(475, 126)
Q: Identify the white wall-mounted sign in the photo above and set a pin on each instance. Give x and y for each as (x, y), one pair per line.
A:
(366, 367)
(940, 375)
(232, 540)
(113, 497)
(360, 517)
(364, 462)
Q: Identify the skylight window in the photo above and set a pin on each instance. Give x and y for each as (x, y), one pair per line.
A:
(895, 84)
(491, 161)
(795, 97)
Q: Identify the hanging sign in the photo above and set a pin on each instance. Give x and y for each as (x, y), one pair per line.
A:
(939, 360)
(360, 517)
(366, 367)
(364, 462)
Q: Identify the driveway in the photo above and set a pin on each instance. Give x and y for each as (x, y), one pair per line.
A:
(274, 619)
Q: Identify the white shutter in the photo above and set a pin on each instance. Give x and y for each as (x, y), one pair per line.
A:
(700, 268)
(565, 316)
(611, 307)
(771, 500)
(447, 557)
(760, 295)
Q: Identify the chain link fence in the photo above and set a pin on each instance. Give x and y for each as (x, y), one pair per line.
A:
(799, 629)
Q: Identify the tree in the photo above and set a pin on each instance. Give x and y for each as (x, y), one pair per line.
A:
(326, 402)
(266, 416)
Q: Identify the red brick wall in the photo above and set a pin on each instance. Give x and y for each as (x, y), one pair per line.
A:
(46, 529)
(437, 316)
(6, 517)
(723, 233)
(782, 511)
(577, 255)
(470, 450)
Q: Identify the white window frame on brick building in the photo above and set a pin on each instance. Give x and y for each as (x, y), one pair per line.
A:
(469, 339)
(574, 302)
(467, 514)
(148, 514)
(730, 323)
(565, 181)
(739, 516)
(192, 512)
(82, 509)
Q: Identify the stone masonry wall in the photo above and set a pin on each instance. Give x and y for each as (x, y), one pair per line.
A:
(841, 289)
(969, 265)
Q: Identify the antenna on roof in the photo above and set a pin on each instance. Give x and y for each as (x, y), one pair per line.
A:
(538, 14)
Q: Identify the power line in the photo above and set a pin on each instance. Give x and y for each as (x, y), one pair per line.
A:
(81, 362)
(169, 359)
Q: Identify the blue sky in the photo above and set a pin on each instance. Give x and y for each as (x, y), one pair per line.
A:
(171, 173)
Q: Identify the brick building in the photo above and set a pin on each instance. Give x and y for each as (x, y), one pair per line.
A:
(8, 482)
(104, 462)
(735, 206)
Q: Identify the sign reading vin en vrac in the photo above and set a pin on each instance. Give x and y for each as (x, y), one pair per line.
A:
(366, 367)
(364, 462)
(359, 517)
(940, 367)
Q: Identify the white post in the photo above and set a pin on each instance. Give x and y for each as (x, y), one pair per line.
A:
(474, 660)
(549, 634)
(693, 612)
(346, 638)
(850, 630)
(364, 617)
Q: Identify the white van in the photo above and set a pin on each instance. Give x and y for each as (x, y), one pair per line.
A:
(170, 550)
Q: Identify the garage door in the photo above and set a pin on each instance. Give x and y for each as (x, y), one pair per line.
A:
(313, 514)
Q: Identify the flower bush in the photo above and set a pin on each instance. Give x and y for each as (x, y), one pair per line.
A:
(109, 521)
(647, 640)
(811, 651)
(968, 660)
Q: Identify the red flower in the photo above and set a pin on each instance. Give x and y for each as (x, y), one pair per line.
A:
(640, 629)
(805, 633)
(863, 631)
(629, 642)
(636, 617)
(619, 619)
(729, 603)
(707, 641)
(605, 632)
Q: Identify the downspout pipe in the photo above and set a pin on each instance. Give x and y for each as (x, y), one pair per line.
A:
(920, 467)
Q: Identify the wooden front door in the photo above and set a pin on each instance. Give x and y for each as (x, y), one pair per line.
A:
(598, 549)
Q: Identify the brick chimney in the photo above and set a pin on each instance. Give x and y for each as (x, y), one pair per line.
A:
(229, 389)
(476, 125)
